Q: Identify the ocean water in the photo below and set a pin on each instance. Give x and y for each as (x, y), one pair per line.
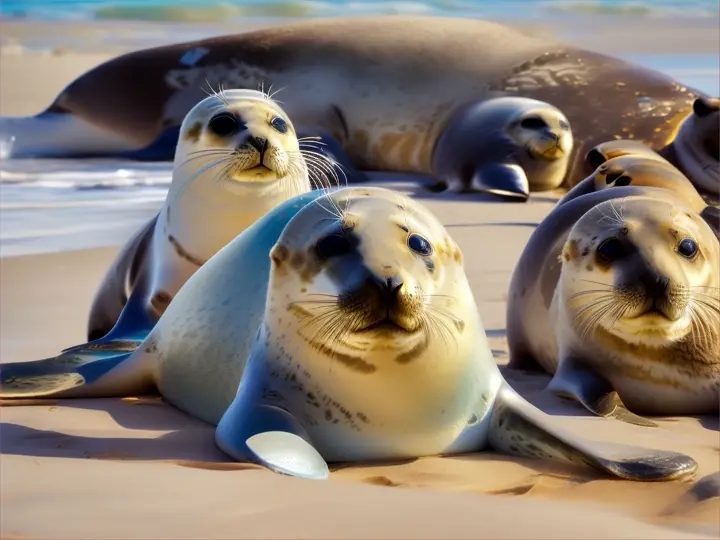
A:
(58, 205)
(224, 10)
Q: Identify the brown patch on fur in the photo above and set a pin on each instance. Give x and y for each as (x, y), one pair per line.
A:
(307, 267)
(687, 357)
(193, 134)
(160, 301)
(279, 253)
(412, 354)
(183, 253)
(570, 251)
(354, 363)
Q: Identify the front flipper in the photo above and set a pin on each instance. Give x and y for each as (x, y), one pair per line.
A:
(520, 429)
(324, 153)
(271, 437)
(505, 179)
(575, 381)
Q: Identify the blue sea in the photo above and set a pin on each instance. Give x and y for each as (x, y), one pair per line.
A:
(58, 205)
(194, 10)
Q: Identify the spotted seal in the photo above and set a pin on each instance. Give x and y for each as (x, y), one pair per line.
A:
(616, 294)
(338, 327)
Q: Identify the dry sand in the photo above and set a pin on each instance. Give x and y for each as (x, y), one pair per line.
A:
(138, 468)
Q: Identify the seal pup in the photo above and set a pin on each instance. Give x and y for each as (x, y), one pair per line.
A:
(616, 294)
(524, 146)
(237, 157)
(382, 93)
(338, 327)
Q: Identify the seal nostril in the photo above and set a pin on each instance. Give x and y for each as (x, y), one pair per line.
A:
(656, 285)
(258, 143)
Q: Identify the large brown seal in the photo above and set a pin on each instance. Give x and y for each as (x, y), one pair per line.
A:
(382, 89)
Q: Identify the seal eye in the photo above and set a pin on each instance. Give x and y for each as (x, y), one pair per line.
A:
(610, 250)
(333, 246)
(419, 245)
(223, 124)
(688, 248)
(279, 124)
(533, 122)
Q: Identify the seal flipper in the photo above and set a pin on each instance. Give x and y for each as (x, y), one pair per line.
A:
(78, 372)
(271, 437)
(573, 380)
(256, 427)
(505, 179)
(518, 428)
(320, 143)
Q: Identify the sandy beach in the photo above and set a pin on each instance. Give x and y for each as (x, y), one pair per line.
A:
(138, 468)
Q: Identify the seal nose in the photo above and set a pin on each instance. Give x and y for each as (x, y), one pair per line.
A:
(258, 143)
(388, 287)
(655, 285)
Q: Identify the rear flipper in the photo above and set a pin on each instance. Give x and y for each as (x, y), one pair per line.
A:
(328, 163)
(518, 428)
(271, 437)
(90, 370)
(575, 381)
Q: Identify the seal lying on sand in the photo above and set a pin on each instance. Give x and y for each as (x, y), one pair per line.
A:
(338, 327)
(237, 157)
(384, 88)
(617, 294)
(524, 146)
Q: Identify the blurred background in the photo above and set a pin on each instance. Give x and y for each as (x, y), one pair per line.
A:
(57, 205)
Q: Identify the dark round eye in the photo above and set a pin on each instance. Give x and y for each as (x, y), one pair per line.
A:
(687, 248)
(223, 124)
(610, 250)
(333, 246)
(564, 124)
(533, 122)
(419, 244)
(279, 124)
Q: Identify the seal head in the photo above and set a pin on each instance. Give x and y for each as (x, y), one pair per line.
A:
(507, 146)
(638, 302)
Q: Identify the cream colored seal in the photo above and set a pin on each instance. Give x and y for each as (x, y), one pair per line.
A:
(338, 327)
(237, 157)
(616, 294)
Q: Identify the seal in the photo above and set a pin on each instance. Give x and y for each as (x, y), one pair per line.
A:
(626, 162)
(338, 327)
(639, 169)
(237, 157)
(524, 145)
(384, 96)
(616, 294)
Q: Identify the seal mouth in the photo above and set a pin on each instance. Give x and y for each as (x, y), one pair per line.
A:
(386, 326)
(259, 174)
